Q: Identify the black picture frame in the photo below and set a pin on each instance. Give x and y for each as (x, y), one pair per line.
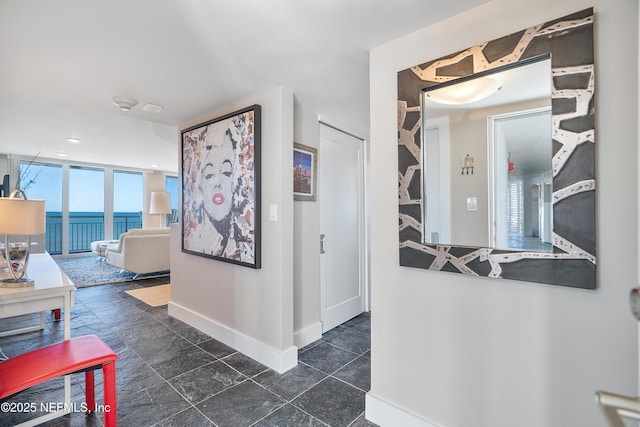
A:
(220, 161)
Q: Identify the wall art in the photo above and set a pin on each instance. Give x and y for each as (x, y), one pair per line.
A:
(221, 188)
(305, 166)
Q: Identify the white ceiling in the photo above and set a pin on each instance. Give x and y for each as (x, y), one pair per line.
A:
(63, 61)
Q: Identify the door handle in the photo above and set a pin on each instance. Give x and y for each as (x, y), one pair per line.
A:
(322, 243)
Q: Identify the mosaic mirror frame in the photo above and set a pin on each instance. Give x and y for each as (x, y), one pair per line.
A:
(569, 43)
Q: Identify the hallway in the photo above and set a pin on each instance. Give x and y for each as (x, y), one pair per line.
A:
(170, 374)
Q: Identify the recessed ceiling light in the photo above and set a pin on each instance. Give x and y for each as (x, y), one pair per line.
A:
(154, 165)
(61, 154)
(74, 140)
(152, 108)
(124, 104)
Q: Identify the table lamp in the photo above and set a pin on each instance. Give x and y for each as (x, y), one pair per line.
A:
(19, 216)
(160, 204)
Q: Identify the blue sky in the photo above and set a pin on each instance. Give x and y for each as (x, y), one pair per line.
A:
(86, 189)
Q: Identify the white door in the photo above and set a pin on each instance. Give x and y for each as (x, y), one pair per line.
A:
(341, 197)
(437, 181)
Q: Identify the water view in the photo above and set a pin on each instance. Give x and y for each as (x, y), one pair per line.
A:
(86, 227)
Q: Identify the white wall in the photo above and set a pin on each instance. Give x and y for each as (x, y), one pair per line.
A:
(250, 310)
(457, 351)
(306, 244)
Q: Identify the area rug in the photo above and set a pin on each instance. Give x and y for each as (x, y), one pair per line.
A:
(155, 296)
(88, 271)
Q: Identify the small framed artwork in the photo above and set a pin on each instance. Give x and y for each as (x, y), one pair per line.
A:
(305, 165)
(221, 188)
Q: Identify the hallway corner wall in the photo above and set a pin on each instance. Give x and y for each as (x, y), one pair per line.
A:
(249, 309)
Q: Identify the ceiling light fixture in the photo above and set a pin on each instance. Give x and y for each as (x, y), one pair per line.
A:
(61, 154)
(124, 104)
(74, 140)
(152, 108)
(465, 92)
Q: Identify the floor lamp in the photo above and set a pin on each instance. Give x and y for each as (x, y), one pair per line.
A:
(160, 205)
(19, 216)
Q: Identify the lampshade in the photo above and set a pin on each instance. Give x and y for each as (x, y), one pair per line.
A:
(24, 217)
(465, 92)
(160, 203)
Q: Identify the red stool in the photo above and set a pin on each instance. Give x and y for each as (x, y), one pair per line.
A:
(81, 354)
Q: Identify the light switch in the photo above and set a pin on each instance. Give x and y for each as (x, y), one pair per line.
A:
(273, 212)
(472, 204)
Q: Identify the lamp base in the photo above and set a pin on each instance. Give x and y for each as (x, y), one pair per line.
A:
(23, 282)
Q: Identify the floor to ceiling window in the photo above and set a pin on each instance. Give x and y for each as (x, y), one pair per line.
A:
(83, 203)
(86, 207)
(171, 187)
(127, 201)
(44, 182)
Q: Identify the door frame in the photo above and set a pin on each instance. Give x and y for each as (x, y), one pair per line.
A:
(493, 163)
(442, 126)
(364, 252)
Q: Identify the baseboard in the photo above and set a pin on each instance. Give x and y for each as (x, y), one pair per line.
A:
(279, 361)
(308, 335)
(385, 414)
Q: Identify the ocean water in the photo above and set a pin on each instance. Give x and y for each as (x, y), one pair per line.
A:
(86, 227)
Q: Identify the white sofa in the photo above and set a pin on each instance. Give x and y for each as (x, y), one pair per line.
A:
(142, 251)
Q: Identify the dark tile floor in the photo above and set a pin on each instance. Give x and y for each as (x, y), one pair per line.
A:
(170, 374)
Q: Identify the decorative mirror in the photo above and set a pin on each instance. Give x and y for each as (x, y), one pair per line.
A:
(500, 181)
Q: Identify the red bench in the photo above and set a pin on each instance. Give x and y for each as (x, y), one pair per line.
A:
(81, 354)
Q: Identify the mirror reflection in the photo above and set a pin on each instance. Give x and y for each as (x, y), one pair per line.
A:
(486, 166)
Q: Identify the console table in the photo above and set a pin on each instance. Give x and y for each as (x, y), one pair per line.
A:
(51, 290)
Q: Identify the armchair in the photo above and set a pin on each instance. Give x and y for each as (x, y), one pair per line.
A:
(142, 251)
